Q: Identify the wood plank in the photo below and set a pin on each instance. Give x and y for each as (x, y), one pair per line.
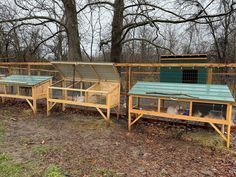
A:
(215, 65)
(77, 103)
(71, 89)
(103, 115)
(218, 131)
(181, 117)
(179, 58)
(16, 96)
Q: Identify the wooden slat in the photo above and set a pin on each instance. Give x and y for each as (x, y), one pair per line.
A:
(181, 117)
(76, 103)
(216, 65)
(71, 89)
(200, 58)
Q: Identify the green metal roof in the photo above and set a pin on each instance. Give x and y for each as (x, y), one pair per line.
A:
(24, 79)
(180, 90)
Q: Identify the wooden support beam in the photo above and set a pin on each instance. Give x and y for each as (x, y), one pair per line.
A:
(64, 94)
(190, 108)
(215, 65)
(136, 119)
(218, 131)
(51, 105)
(212, 65)
(130, 107)
(158, 104)
(209, 76)
(127, 88)
(228, 119)
(103, 115)
(28, 70)
(33, 105)
(180, 117)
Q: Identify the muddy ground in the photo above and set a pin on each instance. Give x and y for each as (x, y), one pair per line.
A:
(75, 143)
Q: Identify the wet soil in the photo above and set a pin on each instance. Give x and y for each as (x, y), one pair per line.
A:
(81, 144)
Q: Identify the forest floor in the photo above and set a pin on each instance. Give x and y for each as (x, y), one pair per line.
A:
(74, 143)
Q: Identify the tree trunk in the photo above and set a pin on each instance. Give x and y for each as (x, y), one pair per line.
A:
(117, 25)
(74, 52)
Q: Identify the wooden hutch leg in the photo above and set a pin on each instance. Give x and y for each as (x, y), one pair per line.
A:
(129, 112)
(64, 95)
(48, 108)
(229, 113)
(35, 106)
(108, 113)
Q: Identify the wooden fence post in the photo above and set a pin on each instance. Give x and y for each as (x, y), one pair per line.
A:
(209, 76)
(127, 88)
(28, 70)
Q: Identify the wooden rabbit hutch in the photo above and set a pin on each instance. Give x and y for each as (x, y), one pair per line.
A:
(193, 102)
(94, 85)
(29, 88)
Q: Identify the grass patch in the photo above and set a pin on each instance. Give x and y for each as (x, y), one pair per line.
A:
(104, 172)
(90, 124)
(205, 138)
(53, 171)
(8, 168)
(41, 150)
(2, 131)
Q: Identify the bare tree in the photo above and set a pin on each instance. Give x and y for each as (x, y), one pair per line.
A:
(130, 22)
(71, 24)
(67, 20)
(133, 14)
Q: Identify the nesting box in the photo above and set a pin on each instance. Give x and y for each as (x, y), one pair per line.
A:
(184, 74)
(94, 85)
(29, 88)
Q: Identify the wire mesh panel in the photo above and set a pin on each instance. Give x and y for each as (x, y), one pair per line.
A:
(11, 90)
(25, 91)
(209, 110)
(77, 96)
(175, 107)
(148, 104)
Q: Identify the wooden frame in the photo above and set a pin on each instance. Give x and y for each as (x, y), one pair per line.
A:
(38, 91)
(190, 117)
(109, 90)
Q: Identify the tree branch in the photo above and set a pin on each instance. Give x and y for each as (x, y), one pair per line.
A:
(155, 7)
(50, 37)
(96, 3)
(150, 42)
(32, 18)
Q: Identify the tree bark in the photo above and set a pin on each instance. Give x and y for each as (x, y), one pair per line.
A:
(117, 25)
(74, 50)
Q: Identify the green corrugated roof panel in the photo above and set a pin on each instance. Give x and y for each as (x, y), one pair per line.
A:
(24, 79)
(194, 91)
